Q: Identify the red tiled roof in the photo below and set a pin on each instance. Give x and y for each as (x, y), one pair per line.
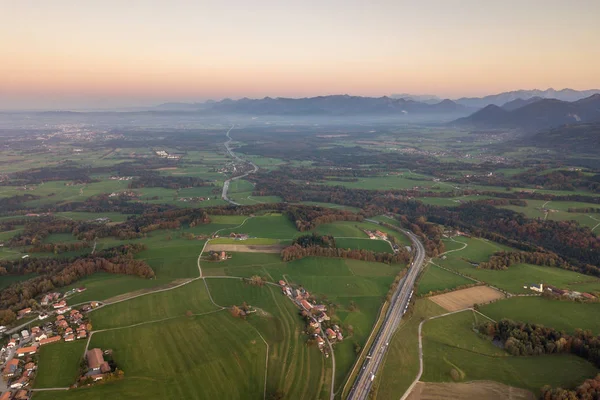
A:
(94, 358)
(49, 340)
(27, 350)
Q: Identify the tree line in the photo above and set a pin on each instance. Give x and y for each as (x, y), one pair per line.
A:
(296, 252)
(503, 259)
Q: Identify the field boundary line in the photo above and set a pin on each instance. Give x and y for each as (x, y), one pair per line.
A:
(145, 323)
(455, 272)
(420, 373)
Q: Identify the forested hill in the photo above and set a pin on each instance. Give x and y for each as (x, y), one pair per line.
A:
(580, 138)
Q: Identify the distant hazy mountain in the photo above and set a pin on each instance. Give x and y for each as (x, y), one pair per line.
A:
(518, 103)
(543, 113)
(503, 98)
(323, 105)
(423, 98)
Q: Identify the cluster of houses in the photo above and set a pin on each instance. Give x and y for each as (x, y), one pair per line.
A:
(121, 178)
(19, 355)
(541, 288)
(127, 193)
(316, 315)
(193, 199)
(164, 154)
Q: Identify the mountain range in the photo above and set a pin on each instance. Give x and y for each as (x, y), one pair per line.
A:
(535, 114)
(322, 105)
(506, 97)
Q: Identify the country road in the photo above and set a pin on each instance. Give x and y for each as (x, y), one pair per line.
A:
(224, 195)
(400, 299)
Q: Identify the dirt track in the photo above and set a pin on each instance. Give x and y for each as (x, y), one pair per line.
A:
(481, 390)
(246, 248)
(461, 299)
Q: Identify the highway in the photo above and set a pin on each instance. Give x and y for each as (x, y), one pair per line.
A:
(362, 386)
(224, 195)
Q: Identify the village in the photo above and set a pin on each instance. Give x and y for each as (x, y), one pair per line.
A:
(52, 321)
(318, 325)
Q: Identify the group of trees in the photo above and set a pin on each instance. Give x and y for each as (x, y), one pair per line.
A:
(315, 240)
(58, 248)
(307, 218)
(504, 259)
(588, 390)
(525, 339)
(296, 252)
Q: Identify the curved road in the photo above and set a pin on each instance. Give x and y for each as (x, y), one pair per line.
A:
(399, 303)
(236, 158)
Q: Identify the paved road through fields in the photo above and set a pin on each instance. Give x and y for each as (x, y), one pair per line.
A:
(364, 381)
(238, 159)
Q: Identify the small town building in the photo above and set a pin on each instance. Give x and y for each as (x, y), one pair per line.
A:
(60, 304)
(49, 340)
(23, 312)
(330, 333)
(10, 368)
(306, 304)
(26, 350)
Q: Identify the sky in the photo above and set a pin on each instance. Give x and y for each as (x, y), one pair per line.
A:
(114, 53)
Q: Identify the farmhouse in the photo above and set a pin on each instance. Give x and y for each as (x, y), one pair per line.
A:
(5, 396)
(306, 304)
(588, 296)
(94, 359)
(330, 333)
(69, 337)
(12, 343)
(43, 316)
(24, 312)
(26, 350)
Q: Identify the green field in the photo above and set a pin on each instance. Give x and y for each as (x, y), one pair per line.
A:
(243, 264)
(155, 306)
(378, 246)
(273, 226)
(59, 364)
(297, 370)
(198, 357)
(102, 286)
(436, 279)
(356, 287)
(516, 276)
(450, 343)
(561, 315)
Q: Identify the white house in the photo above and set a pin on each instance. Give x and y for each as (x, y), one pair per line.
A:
(24, 334)
(537, 288)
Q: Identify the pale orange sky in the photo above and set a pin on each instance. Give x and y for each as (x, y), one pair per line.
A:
(113, 53)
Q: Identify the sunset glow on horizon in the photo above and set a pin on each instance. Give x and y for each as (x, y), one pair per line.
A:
(112, 53)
